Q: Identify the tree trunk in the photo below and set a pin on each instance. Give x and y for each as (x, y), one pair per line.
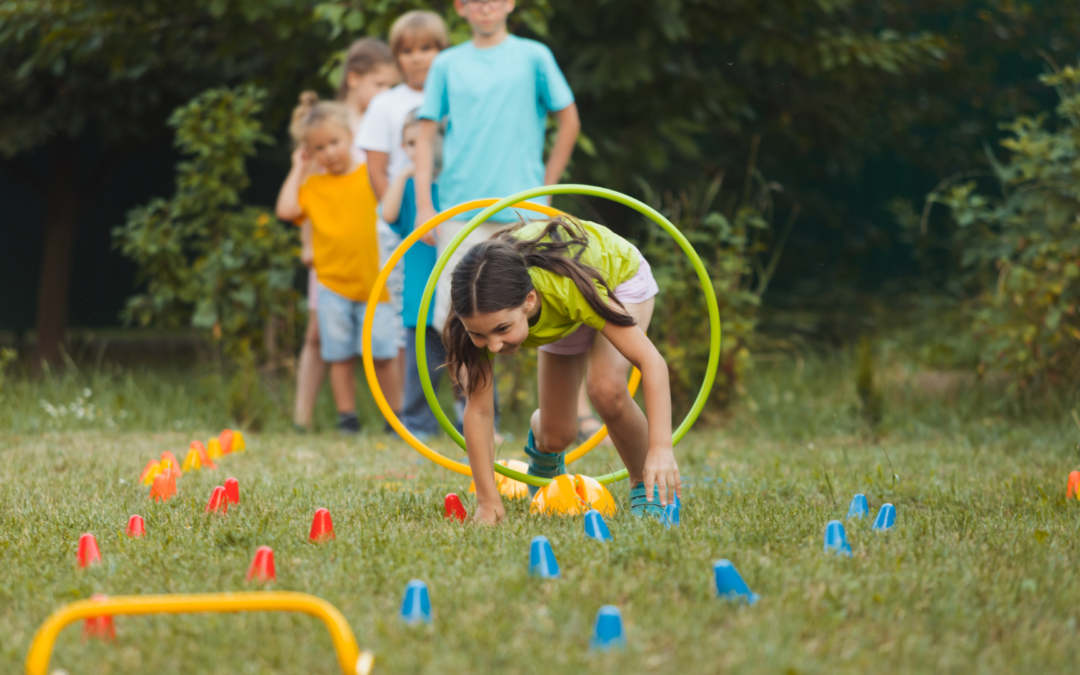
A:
(61, 218)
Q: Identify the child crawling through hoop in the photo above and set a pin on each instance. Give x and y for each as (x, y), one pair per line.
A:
(555, 284)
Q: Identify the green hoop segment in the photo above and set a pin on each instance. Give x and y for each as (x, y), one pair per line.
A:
(640, 207)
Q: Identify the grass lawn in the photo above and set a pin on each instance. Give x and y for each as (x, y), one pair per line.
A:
(976, 576)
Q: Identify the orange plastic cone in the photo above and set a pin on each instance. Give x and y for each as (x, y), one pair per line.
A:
(232, 490)
(1074, 486)
(238, 442)
(226, 440)
(322, 528)
(192, 462)
(218, 503)
(453, 508)
(204, 457)
(164, 486)
(558, 497)
(213, 449)
(262, 566)
(100, 627)
(590, 491)
(136, 527)
(152, 469)
(88, 551)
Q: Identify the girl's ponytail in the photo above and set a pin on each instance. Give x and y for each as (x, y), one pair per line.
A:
(298, 125)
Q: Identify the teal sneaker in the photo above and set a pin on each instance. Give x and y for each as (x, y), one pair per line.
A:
(641, 507)
(542, 464)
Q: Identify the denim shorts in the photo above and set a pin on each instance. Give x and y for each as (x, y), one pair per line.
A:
(341, 324)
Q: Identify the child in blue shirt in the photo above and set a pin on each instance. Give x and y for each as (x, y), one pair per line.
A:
(399, 212)
(495, 92)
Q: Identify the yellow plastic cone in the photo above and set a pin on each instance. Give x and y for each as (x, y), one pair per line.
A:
(238, 442)
(152, 469)
(590, 491)
(213, 449)
(192, 462)
(508, 487)
(559, 497)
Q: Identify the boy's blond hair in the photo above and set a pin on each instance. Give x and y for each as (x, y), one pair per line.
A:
(418, 25)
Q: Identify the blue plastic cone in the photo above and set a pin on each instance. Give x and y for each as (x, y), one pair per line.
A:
(886, 517)
(542, 561)
(595, 526)
(836, 539)
(730, 584)
(416, 607)
(671, 515)
(608, 632)
(858, 507)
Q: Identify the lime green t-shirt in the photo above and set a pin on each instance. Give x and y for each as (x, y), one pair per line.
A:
(563, 307)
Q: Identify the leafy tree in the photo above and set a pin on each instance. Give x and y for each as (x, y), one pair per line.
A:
(86, 81)
(1021, 250)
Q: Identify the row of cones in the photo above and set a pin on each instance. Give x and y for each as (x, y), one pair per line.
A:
(161, 474)
(262, 569)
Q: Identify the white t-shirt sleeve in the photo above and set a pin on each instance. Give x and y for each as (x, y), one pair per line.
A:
(375, 130)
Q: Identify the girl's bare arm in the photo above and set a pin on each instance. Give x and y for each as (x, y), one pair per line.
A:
(661, 468)
(480, 445)
(391, 199)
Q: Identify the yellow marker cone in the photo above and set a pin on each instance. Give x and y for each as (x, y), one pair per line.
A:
(508, 487)
(238, 442)
(595, 495)
(213, 449)
(559, 497)
(192, 462)
(152, 469)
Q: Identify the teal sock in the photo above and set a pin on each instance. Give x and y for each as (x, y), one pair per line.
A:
(542, 464)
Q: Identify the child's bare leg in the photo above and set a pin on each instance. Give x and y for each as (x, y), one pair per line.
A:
(606, 383)
(554, 424)
(343, 383)
(309, 375)
(392, 380)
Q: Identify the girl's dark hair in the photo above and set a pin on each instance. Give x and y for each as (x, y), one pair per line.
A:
(364, 56)
(494, 275)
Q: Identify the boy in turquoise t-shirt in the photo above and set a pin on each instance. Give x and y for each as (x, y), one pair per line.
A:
(495, 93)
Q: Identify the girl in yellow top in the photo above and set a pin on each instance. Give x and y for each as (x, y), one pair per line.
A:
(341, 207)
(584, 296)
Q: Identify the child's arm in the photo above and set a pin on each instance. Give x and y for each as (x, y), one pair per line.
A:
(479, 425)
(660, 466)
(307, 245)
(378, 173)
(565, 137)
(424, 175)
(391, 199)
(288, 201)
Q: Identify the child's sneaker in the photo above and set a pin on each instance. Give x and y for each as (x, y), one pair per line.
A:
(348, 423)
(542, 464)
(641, 507)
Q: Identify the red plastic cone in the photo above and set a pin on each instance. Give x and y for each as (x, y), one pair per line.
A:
(262, 566)
(232, 490)
(454, 508)
(204, 456)
(218, 503)
(226, 441)
(88, 551)
(136, 527)
(322, 528)
(1074, 486)
(100, 627)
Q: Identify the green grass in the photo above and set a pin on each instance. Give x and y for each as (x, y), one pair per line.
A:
(977, 576)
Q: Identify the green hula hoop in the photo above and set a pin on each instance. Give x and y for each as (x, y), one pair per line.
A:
(640, 207)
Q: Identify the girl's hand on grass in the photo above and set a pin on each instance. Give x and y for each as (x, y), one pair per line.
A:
(662, 470)
(489, 514)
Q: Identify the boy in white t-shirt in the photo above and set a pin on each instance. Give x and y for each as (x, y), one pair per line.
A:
(415, 39)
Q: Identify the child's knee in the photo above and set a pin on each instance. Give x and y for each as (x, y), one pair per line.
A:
(609, 396)
(553, 437)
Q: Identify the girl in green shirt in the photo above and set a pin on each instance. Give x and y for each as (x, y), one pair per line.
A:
(584, 296)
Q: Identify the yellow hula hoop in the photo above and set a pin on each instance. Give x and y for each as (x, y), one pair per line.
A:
(369, 362)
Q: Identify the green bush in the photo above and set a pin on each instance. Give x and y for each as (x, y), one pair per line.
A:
(207, 260)
(1022, 250)
(735, 239)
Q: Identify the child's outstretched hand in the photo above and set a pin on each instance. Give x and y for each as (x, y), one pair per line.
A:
(662, 470)
(490, 514)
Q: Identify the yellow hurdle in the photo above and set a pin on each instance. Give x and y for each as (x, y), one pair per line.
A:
(350, 658)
